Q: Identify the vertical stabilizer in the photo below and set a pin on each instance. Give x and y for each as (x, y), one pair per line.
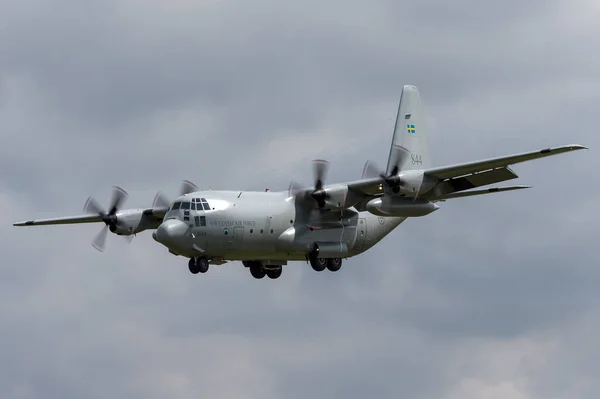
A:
(410, 132)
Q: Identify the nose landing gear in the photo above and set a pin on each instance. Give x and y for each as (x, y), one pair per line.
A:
(198, 265)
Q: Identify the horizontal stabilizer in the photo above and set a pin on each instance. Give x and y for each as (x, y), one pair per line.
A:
(63, 220)
(447, 172)
(479, 192)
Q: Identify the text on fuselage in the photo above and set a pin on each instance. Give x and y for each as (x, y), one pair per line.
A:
(222, 223)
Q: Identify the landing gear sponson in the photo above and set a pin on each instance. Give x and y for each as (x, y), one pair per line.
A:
(323, 255)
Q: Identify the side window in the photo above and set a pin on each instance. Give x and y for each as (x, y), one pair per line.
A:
(202, 220)
(197, 220)
(176, 205)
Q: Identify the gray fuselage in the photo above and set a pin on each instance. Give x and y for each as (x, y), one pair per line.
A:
(254, 225)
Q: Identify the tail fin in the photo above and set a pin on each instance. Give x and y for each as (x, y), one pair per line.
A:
(410, 132)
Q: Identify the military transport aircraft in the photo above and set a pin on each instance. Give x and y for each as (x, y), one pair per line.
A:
(322, 224)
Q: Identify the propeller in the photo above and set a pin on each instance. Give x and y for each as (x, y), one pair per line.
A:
(162, 201)
(109, 218)
(398, 156)
(320, 168)
(294, 188)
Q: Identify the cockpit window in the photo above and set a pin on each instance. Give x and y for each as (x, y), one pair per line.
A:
(185, 205)
(176, 205)
(200, 204)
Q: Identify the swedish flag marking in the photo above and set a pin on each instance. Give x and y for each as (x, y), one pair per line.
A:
(410, 129)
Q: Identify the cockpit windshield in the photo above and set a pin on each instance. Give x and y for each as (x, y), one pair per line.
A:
(198, 204)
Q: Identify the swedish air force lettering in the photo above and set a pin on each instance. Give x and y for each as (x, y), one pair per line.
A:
(229, 223)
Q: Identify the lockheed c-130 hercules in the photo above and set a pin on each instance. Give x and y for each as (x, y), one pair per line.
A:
(320, 225)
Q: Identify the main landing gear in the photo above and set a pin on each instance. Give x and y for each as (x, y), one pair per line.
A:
(258, 271)
(320, 264)
(198, 265)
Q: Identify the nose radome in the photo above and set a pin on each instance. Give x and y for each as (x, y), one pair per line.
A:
(169, 231)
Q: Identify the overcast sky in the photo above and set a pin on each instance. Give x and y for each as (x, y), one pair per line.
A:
(489, 297)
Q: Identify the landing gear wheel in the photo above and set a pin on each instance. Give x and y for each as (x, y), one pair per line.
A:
(202, 263)
(334, 264)
(318, 264)
(198, 265)
(274, 273)
(257, 270)
(193, 266)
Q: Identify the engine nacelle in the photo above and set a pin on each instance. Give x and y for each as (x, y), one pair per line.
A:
(131, 221)
(400, 206)
(413, 182)
(338, 197)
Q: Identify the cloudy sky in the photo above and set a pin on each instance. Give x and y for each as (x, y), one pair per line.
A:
(489, 297)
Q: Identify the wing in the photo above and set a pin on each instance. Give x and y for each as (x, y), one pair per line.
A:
(447, 172)
(156, 213)
(61, 220)
(466, 176)
(479, 192)
(460, 177)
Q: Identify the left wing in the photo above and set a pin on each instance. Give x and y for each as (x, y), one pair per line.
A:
(460, 177)
(447, 172)
(479, 192)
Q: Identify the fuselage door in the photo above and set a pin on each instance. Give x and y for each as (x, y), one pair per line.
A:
(198, 219)
(236, 236)
(361, 234)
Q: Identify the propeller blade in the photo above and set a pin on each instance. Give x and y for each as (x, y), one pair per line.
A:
(398, 156)
(188, 187)
(128, 238)
(119, 196)
(294, 188)
(371, 170)
(320, 167)
(100, 241)
(161, 201)
(92, 206)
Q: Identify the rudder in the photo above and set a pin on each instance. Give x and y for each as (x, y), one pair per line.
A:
(410, 132)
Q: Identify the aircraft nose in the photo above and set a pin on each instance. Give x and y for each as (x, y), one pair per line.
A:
(169, 231)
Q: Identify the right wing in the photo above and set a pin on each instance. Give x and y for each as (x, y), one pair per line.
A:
(61, 220)
(152, 214)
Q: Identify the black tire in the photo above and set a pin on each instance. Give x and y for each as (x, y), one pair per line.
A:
(257, 271)
(202, 264)
(193, 266)
(318, 264)
(274, 273)
(334, 264)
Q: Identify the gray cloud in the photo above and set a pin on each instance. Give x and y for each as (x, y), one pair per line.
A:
(490, 296)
